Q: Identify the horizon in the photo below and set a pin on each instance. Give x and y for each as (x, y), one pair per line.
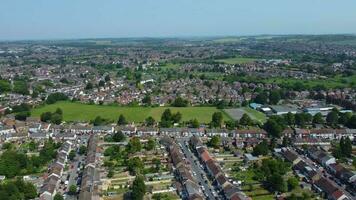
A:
(82, 19)
(172, 37)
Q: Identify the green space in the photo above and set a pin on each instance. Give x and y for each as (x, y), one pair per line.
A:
(237, 113)
(334, 82)
(73, 111)
(251, 187)
(237, 60)
(170, 65)
(255, 115)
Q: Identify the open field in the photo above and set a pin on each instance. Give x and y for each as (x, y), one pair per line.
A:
(237, 60)
(237, 113)
(84, 112)
(334, 82)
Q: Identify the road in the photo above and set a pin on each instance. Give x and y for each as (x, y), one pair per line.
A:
(75, 167)
(197, 171)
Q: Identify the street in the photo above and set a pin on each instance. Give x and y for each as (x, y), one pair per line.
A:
(198, 172)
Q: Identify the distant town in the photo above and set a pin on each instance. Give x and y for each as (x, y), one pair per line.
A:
(230, 118)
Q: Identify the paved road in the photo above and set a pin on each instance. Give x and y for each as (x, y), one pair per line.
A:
(198, 171)
(73, 166)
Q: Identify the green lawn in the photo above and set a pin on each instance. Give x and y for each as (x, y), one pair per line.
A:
(333, 82)
(256, 115)
(237, 60)
(237, 113)
(84, 112)
(251, 187)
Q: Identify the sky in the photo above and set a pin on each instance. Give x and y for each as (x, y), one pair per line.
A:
(72, 19)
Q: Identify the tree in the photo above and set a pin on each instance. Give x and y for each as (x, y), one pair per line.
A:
(261, 149)
(289, 118)
(261, 98)
(246, 120)
(215, 142)
(82, 149)
(147, 100)
(180, 102)
(99, 121)
(89, 86)
(134, 145)
(138, 188)
(135, 165)
(71, 155)
(176, 117)
(194, 123)
(344, 118)
(59, 111)
(101, 83)
(231, 124)
(46, 116)
(292, 183)
(56, 118)
(22, 116)
(122, 120)
(54, 97)
(332, 118)
(58, 197)
(166, 115)
(150, 121)
(151, 144)
(318, 118)
(72, 189)
(273, 128)
(277, 183)
(299, 120)
(274, 97)
(352, 122)
(107, 78)
(110, 173)
(216, 120)
(346, 146)
(118, 136)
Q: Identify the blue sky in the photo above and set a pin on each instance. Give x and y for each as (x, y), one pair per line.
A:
(62, 19)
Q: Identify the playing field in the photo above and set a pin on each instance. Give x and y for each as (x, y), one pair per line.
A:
(83, 112)
(237, 60)
(237, 113)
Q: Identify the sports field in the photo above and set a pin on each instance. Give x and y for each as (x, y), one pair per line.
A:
(237, 113)
(84, 112)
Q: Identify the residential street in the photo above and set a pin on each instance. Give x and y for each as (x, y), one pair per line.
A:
(197, 170)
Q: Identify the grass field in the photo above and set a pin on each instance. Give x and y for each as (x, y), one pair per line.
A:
(237, 113)
(334, 82)
(251, 187)
(237, 60)
(83, 112)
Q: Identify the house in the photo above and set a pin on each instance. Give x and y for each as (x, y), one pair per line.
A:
(328, 189)
(128, 130)
(250, 133)
(103, 129)
(48, 189)
(147, 131)
(38, 135)
(291, 156)
(171, 131)
(64, 136)
(219, 132)
(195, 142)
